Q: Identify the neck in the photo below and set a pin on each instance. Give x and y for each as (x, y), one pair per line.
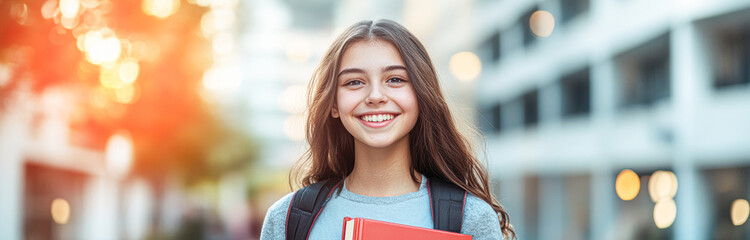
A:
(382, 172)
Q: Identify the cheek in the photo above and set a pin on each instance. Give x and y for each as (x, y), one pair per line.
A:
(407, 99)
(346, 101)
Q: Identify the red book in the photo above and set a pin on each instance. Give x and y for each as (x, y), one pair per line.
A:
(368, 229)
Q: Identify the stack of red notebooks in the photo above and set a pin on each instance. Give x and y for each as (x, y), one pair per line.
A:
(368, 229)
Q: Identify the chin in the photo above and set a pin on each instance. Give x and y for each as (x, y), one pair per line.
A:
(379, 143)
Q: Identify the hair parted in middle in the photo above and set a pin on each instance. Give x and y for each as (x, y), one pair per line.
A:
(436, 146)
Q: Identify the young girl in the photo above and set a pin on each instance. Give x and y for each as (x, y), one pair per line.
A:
(378, 125)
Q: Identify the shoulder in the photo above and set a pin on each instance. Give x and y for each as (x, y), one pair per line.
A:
(274, 224)
(281, 206)
(480, 220)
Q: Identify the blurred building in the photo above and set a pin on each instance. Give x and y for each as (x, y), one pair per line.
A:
(642, 85)
(55, 188)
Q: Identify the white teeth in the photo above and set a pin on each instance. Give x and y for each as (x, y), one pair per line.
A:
(378, 117)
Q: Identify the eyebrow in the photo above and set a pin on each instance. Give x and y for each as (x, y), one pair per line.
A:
(359, 70)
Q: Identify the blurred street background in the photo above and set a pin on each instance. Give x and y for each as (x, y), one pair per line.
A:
(180, 119)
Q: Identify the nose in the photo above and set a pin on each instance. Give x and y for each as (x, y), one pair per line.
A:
(376, 96)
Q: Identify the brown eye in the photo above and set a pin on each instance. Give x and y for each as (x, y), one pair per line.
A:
(396, 80)
(353, 83)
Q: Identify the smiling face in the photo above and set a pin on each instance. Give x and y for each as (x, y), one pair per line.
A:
(374, 97)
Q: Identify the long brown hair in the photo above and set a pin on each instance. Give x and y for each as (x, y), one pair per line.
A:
(437, 148)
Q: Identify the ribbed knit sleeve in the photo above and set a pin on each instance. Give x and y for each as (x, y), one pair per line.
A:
(275, 222)
(480, 220)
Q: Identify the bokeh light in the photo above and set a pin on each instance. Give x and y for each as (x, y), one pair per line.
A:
(665, 212)
(627, 185)
(128, 93)
(298, 51)
(740, 211)
(223, 43)
(294, 127)
(19, 12)
(69, 8)
(109, 76)
(5, 73)
(160, 8)
(662, 185)
(101, 46)
(222, 78)
(69, 23)
(119, 153)
(60, 210)
(542, 23)
(465, 66)
(49, 9)
(293, 99)
(128, 70)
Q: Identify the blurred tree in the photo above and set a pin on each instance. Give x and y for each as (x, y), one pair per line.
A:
(173, 129)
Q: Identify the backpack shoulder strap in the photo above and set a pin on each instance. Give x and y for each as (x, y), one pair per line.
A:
(305, 207)
(447, 203)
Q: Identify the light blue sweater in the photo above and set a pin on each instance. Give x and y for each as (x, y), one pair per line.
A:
(480, 220)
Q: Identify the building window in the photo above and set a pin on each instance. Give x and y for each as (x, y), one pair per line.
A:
(644, 73)
(491, 121)
(41, 186)
(496, 117)
(576, 93)
(572, 8)
(492, 46)
(531, 108)
(732, 55)
(512, 114)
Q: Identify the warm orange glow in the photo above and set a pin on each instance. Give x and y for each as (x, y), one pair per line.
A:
(665, 212)
(627, 185)
(98, 98)
(128, 93)
(19, 12)
(740, 211)
(60, 210)
(160, 8)
(465, 66)
(542, 23)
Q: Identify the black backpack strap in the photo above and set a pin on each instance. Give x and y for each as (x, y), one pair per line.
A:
(447, 203)
(305, 208)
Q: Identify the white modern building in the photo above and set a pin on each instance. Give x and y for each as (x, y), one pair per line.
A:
(640, 85)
